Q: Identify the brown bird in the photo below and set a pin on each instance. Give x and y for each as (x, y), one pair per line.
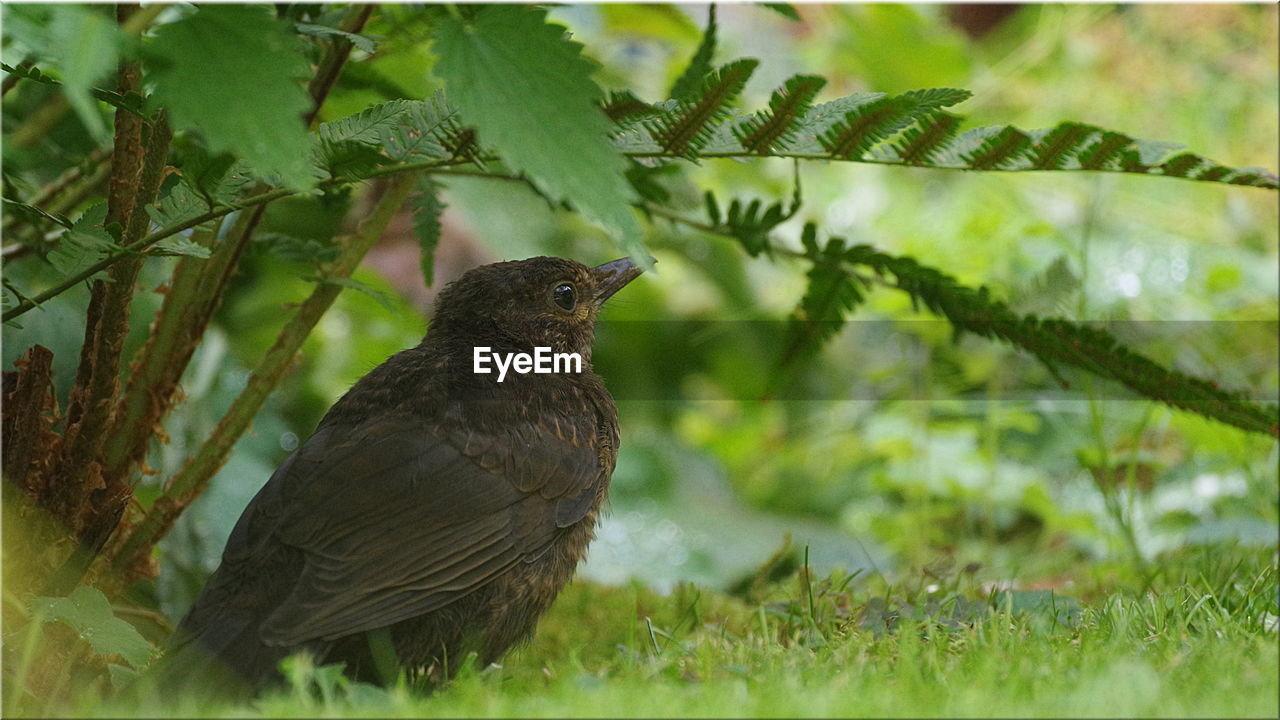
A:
(435, 510)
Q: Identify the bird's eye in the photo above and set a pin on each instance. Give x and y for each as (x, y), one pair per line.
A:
(564, 296)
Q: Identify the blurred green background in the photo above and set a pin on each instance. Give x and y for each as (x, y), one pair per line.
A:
(895, 447)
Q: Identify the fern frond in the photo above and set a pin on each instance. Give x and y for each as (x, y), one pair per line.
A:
(687, 128)
(767, 128)
(1104, 150)
(930, 136)
(1006, 146)
(864, 127)
(1052, 151)
(622, 106)
(690, 81)
(367, 126)
(1060, 341)
(424, 131)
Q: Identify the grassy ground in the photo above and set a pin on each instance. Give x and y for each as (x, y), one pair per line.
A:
(1200, 640)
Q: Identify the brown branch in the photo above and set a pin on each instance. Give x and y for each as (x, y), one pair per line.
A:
(192, 479)
(104, 497)
(105, 325)
(193, 295)
(330, 67)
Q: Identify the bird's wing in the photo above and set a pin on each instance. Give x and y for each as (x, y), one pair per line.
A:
(396, 519)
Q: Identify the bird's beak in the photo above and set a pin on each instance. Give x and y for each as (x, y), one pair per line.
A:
(611, 276)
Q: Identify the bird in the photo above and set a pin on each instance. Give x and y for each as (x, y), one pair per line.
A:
(436, 511)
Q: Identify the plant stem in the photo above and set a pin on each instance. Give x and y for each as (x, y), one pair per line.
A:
(191, 480)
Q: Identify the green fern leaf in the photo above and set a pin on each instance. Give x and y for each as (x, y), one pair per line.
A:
(622, 106)
(427, 209)
(367, 126)
(1181, 165)
(1053, 150)
(766, 129)
(1001, 149)
(919, 144)
(833, 291)
(690, 81)
(687, 128)
(864, 127)
(1106, 148)
(422, 131)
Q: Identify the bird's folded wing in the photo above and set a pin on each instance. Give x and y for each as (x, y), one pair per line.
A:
(395, 520)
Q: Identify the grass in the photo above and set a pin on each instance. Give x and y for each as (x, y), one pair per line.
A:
(1200, 641)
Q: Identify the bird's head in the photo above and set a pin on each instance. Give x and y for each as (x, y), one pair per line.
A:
(522, 304)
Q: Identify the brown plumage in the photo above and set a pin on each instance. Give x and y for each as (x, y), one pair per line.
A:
(431, 500)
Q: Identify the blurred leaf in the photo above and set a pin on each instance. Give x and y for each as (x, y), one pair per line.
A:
(233, 71)
(700, 64)
(383, 299)
(180, 246)
(427, 208)
(88, 44)
(786, 10)
(529, 94)
(363, 43)
(87, 612)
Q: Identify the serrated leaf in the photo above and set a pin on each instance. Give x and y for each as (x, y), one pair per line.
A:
(363, 43)
(88, 612)
(180, 246)
(84, 244)
(690, 81)
(427, 209)
(234, 72)
(528, 93)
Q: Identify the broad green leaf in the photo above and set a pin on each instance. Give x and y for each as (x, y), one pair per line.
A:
(233, 71)
(87, 612)
(88, 46)
(528, 93)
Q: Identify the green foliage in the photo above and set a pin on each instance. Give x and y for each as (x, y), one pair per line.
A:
(687, 126)
(248, 103)
(427, 209)
(88, 613)
(834, 290)
(691, 80)
(776, 125)
(84, 243)
(528, 93)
